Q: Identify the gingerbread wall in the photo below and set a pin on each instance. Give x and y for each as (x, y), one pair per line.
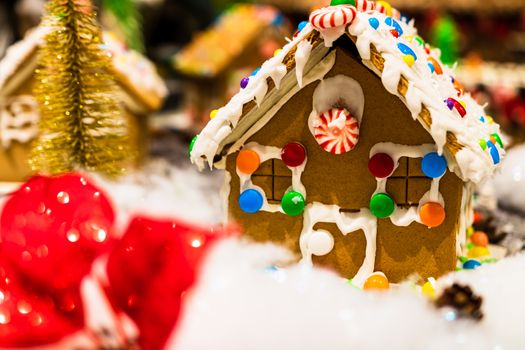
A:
(345, 180)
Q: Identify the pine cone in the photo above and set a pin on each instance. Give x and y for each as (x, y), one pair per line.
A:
(462, 300)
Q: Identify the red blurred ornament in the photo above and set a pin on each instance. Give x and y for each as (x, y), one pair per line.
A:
(293, 154)
(32, 317)
(151, 267)
(52, 228)
(381, 165)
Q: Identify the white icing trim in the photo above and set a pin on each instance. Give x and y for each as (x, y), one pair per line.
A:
(347, 223)
(317, 73)
(224, 194)
(471, 163)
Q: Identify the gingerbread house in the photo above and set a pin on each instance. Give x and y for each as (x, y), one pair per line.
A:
(214, 61)
(354, 146)
(142, 91)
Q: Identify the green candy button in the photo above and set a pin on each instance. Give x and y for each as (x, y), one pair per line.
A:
(293, 203)
(483, 144)
(498, 139)
(382, 205)
(192, 143)
(342, 2)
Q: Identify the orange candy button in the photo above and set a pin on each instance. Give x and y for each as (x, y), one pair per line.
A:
(480, 239)
(437, 66)
(248, 161)
(432, 214)
(376, 281)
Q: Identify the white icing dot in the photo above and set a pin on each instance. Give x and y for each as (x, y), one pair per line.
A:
(321, 242)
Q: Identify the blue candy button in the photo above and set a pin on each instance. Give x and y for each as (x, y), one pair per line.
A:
(406, 50)
(433, 165)
(389, 21)
(302, 25)
(471, 264)
(251, 201)
(374, 22)
(493, 152)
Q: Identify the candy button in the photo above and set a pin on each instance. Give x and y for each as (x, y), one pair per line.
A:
(428, 290)
(192, 144)
(394, 33)
(255, 72)
(483, 144)
(381, 165)
(320, 243)
(452, 103)
(433, 165)
(293, 203)
(342, 2)
(389, 21)
(374, 22)
(482, 119)
(471, 264)
(376, 281)
(250, 201)
(432, 214)
(478, 252)
(496, 139)
(302, 25)
(431, 67)
(420, 40)
(244, 82)
(248, 161)
(406, 50)
(213, 113)
(276, 52)
(382, 205)
(293, 154)
(437, 66)
(480, 238)
(493, 152)
(409, 60)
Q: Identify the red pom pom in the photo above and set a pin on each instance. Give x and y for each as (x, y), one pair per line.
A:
(381, 165)
(53, 228)
(29, 317)
(153, 264)
(293, 154)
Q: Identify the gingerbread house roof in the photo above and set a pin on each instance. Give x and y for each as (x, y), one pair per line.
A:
(144, 88)
(390, 47)
(214, 49)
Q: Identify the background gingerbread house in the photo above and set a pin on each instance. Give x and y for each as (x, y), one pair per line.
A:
(354, 146)
(142, 91)
(215, 60)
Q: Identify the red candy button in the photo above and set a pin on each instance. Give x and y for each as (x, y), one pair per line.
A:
(381, 165)
(293, 154)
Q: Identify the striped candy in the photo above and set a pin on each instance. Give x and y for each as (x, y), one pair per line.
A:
(336, 130)
(332, 16)
(364, 5)
(384, 7)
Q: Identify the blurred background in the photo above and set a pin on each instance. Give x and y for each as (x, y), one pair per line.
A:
(202, 48)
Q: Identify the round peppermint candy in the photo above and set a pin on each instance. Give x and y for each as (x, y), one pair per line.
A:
(336, 131)
(332, 16)
(364, 5)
